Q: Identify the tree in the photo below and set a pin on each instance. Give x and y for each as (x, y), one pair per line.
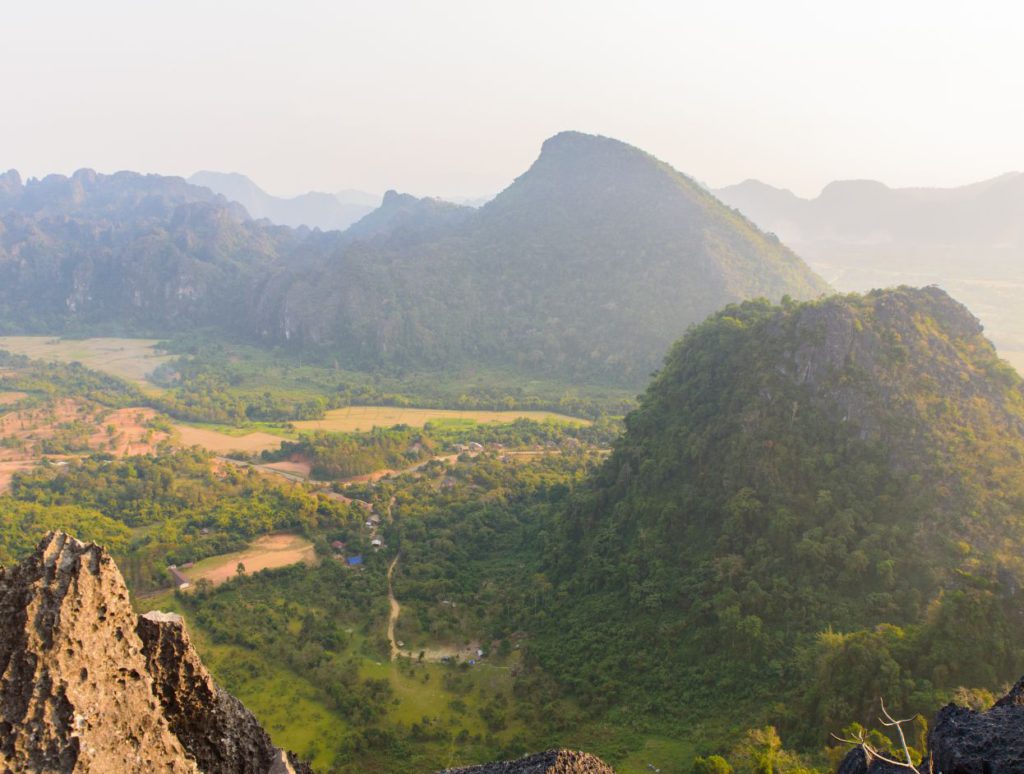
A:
(713, 764)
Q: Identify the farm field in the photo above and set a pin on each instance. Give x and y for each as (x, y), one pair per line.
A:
(264, 553)
(222, 443)
(129, 359)
(365, 418)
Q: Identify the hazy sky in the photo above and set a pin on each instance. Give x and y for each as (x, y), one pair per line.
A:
(454, 97)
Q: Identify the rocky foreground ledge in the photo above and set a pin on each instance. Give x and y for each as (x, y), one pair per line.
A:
(86, 685)
(550, 762)
(962, 741)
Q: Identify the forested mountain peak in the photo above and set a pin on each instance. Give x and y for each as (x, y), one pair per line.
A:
(812, 490)
(587, 266)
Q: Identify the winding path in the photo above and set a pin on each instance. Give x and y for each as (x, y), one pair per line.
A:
(396, 610)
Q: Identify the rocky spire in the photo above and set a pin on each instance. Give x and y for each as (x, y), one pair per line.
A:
(86, 685)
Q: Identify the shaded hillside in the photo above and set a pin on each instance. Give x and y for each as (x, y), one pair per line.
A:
(127, 253)
(861, 234)
(587, 266)
(326, 211)
(814, 505)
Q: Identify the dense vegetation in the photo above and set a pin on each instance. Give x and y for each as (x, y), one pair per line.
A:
(217, 381)
(814, 506)
(346, 455)
(180, 509)
(587, 266)
(44, 381)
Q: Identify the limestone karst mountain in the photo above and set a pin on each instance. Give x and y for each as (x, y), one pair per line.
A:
(588, 265)
(802, 484)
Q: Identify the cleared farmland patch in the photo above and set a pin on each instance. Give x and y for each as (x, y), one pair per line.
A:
(129, 359)
(263, 553)
(364, 418)
(222, 443)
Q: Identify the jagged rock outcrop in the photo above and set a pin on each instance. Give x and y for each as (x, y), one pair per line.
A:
(550, 762)
(860, 761)
(962, 741)
(86, 685)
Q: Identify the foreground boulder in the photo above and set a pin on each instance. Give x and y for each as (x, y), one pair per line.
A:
(962, 741)
(550, 762)
(86, 685)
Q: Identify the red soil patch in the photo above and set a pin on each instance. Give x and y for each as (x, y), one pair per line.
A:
(297, 467)
(120, 432)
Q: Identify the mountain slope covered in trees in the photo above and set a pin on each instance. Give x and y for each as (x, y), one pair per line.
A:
(810, 508)
(588, 266)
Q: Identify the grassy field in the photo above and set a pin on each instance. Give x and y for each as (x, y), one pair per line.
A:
(365, 418)
(220, 442)
(263, 553)
(130, 359)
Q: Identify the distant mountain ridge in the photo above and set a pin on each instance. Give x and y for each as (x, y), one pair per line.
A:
(326, 211)
(988, 213)
(862, 234)
(589, 264)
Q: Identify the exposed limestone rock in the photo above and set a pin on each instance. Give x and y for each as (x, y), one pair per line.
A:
(550, 762)
(86, 685)
(962, 741)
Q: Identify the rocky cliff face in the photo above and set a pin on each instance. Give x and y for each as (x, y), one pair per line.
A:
(86, 685)
(962, 741)
(550, 762)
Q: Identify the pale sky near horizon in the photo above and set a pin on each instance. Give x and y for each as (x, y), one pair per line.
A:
(454, 97)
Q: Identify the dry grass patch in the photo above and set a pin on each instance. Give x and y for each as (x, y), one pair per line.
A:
(295, 467)
(364, 418)
(130, 359)
(264, 553)
(222, 443)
